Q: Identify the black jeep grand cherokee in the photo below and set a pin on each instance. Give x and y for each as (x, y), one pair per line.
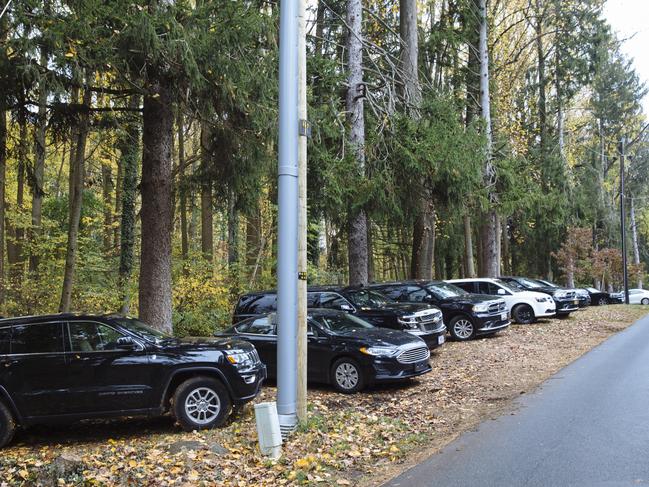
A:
(72, 367)
(418, 319)
(468, 315)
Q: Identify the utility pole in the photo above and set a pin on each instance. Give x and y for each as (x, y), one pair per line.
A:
(287, 217)
(623, 222)
(302, 340)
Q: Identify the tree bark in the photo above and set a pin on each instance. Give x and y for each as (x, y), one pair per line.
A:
(38, 190)
(469, 265)
(155, 261)
(3, 175)
(182, 184)
(489, 232)
(357, 220)
(77, 176)
(207, 228)
(233, 230)
(128, 145)
(107, 190)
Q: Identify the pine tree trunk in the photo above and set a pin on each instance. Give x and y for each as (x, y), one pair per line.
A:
(357, 221)
(469, 265)
(505, 258)
(128, 145)
(253, 238)
(182, 183)
(39, 163)
(634, 239)
(77, 176)
(155, 262)
(117, 213)
(207, 229)
(107, 190)
(233, 231)
(489, 233)
(3, 176)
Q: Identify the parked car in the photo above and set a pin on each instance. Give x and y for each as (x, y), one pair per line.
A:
(419, 319)
(636, 296)
(467, 315)
(616, 298)
(582, 294)
(343, 350)
(597, 297)
(566, 300)
(73, 367)
(523, 306)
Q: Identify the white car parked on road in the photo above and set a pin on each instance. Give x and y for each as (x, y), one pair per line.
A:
(636, 296)
(524, 306)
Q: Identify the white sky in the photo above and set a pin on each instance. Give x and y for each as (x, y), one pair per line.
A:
(630, 19)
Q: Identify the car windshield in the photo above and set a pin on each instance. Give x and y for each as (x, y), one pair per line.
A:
(529, 282)
(592, 290)
(546, 283)
(145, 331)
(445, 290)
(508, 285)
(341, 323)
(365, 298)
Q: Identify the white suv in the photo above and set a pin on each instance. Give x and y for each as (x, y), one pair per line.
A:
(524, 306)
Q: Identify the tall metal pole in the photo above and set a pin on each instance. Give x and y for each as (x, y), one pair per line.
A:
(287, 217)
(302, 340)
(623, 222)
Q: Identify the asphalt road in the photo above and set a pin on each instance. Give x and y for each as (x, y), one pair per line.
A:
(588, 426)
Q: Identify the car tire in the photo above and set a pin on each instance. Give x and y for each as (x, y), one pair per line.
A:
(201, 403)
(645, 301)
(347, 376)
(7, 425)
(602, 301)
(523, 314)
(462, 328)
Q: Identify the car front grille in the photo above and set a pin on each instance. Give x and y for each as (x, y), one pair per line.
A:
(414, 355)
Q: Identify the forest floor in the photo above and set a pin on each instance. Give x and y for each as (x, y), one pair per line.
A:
(362, 439)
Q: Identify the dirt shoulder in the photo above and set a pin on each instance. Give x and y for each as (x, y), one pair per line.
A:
(351, 440)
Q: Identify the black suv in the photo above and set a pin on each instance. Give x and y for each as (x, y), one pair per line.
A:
(72, 367)
(419, 319)
(565, 299)
(467, 315)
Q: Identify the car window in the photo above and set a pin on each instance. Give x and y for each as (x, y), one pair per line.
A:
(331, 300)
(311, 300)
(37, 338)
(392, 292)
(416, 293)
(258, 326)
(487, 288)
(257, 304)
(444, 290)
(371, 299)
(467, 286)
(92, 337)
(5, 340)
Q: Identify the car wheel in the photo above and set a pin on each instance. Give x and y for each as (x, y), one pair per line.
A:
(462, 328)
(602, 301)
(7, 425)
(347, 376)
(645, 301)
(201, 403)
(523, 314)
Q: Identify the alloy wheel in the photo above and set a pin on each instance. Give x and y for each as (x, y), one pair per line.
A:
(463, 328)
(346, 375)
(202, 405)
(645, 301)
(602, 301)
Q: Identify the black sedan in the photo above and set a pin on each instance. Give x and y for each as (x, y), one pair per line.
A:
(599, 298)
(343, 350)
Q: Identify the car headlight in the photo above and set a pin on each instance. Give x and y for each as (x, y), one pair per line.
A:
(380, 351)
(481, 308)
(409, 321)
(241, 359)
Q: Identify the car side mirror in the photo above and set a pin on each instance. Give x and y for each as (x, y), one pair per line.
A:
(346, 307)
(126, 343)
(502, 292)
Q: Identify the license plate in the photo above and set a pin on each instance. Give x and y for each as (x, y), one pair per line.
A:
(440, 339)
(503, 316)
(420, 366)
